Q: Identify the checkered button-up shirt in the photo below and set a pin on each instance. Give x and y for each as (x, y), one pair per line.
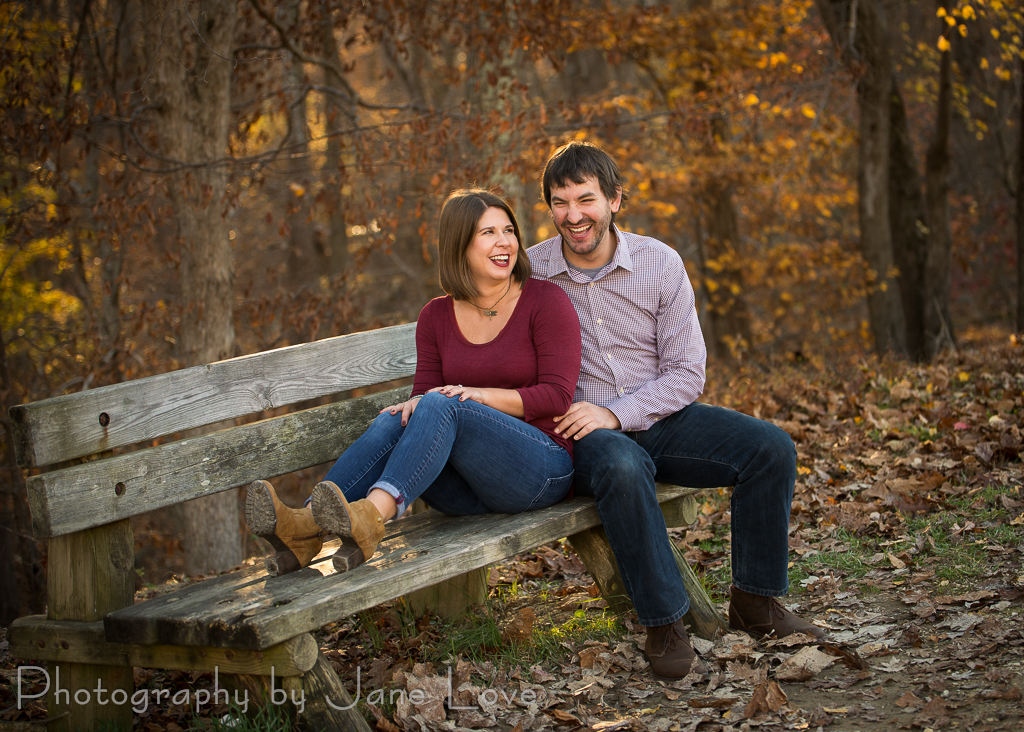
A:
(643, 351)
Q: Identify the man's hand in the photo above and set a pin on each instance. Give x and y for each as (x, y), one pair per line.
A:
(583, 418)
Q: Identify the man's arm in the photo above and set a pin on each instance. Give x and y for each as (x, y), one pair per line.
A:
(681, 356)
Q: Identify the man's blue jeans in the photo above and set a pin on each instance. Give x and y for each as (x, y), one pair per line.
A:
(461, 457)
(701, 446)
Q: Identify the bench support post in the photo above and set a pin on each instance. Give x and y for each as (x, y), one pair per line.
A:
(596, 554)
(592, 547)
(89, 574)
(452, 596)
(326, 705)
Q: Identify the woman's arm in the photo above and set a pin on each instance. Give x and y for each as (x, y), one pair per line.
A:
(556, 336)
(508, 401)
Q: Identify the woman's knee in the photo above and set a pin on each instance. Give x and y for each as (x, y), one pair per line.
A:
(435, 401)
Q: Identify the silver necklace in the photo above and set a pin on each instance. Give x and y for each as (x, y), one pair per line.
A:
(491, 312)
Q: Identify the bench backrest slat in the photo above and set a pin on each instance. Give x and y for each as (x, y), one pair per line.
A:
(99, 492)
(74, 425)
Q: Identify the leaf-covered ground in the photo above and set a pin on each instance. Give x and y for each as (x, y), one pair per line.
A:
(907, 543)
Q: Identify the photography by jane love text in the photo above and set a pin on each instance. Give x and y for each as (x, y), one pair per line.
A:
(140, 699)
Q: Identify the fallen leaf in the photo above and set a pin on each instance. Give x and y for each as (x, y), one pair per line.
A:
(768, 697)
(521, 627)
(563, 717)
(909, 700)
(804, 664)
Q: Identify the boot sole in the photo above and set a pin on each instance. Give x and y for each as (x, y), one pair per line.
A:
(259, 510)
(331, 515)
(329, 511)
(261, 519)
(670, 679)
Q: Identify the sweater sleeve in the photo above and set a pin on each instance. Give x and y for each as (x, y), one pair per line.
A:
(428, 349)
(555, 330)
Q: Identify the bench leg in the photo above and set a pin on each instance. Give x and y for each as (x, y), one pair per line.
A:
(325, 703)
(702, 616)
(592, 547)
(452, 596)
(596, 554)
(89, 574)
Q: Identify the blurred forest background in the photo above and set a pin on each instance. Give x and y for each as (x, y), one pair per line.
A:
(187, 181)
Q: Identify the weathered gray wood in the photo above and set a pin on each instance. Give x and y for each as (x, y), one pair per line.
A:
(324, 693)
(90, 573)
(70, 641)
(325, 703)
(250, 610)
(703, 616)
(452, 596)
(681, 512)
(98, 492)
(592, 547)
(65, 427)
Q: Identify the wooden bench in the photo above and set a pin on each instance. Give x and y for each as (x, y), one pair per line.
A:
(247, 625)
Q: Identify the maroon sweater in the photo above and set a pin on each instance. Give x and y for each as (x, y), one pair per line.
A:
(537, 353)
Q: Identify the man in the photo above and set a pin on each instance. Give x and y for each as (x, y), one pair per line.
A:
(635, 418)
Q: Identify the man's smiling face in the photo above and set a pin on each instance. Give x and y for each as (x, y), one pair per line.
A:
(582, 214)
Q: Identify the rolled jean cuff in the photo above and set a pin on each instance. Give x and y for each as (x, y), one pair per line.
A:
(668, 620)
(758, 590)
(394, 493)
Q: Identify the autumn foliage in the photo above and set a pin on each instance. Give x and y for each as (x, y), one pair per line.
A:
(735, 123)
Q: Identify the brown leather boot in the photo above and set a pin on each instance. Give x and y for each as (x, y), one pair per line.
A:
(291, 531)
(669, 652)
(359, 525)
(765, 616)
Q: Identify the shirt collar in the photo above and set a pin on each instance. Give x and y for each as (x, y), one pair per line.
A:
(621, 258)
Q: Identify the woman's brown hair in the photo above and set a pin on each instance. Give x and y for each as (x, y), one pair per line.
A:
(460, 216)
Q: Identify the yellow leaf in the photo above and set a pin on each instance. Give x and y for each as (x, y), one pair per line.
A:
(995, 33)
(963, 30)
(943, 44)
(941, 12)
(298, 189)
(984, 63)
(950, 21)
(751, 100)
(963, 376)
(808, 111)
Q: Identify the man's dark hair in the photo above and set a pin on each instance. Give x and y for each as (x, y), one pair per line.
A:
(575, 162)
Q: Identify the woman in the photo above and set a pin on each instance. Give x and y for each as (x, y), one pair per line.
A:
(497, 360)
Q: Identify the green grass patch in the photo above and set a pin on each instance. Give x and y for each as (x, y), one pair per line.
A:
(267, 718)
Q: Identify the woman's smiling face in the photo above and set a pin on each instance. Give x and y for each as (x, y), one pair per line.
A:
(492, 253)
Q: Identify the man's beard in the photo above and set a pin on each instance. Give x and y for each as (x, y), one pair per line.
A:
(598, 231)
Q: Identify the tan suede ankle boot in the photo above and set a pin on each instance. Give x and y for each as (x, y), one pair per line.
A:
(291, 531)
(359, 524)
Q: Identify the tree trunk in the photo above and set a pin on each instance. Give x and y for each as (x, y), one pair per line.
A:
(337, 115)
(22, 580)
(305, 262)
(938, 324)
(723, 274)
(863, 42)
(908, 220)
(191, 87)
(1020, 203)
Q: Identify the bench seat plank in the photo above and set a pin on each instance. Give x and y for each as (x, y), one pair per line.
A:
(72, 641)
(250, 610)
(99, 492)
(74, 425)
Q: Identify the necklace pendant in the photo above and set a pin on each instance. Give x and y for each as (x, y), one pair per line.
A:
(490, 313)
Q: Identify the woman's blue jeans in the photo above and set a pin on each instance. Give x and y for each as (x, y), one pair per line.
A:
(701, 446)
(461, 457)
